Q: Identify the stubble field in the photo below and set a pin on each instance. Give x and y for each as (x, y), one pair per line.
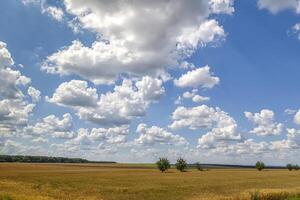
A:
(22, 181)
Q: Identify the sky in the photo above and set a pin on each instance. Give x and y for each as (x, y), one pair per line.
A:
(212, 81)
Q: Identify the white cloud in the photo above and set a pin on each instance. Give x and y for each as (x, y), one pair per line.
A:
(13, 114)
(75, 93)
(200, 77)
(14, 110)
(5, 57)
(34, 94)
(209, 31)
(222, 6)
(297, 118)
(115, 135)
(275, 6)
(194, 117)
(156, 135)
(292, 141)
(223, 128)
(247, 147)
(265, 121)
(53, 126)
(136, 38)
(28, 2)
(55, 12)
(194, 96)
(116, 108)
(296, 30)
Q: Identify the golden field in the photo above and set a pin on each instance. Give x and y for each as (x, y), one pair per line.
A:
(23, 181)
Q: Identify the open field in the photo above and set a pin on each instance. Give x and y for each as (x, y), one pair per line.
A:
(121, 181)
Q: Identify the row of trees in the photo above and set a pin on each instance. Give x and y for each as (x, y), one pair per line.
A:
(291, 167)
(43, 159)
(163, 164)
(260, 166)
(181, 165)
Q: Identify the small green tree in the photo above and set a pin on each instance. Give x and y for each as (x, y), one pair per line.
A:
(198, 166)
(260, 165)
(163, 164)
(289, 167)
(296, 167)
(181, 164)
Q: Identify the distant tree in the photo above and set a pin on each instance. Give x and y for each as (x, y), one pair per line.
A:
(163, 164)
(259, 165)
(198, 166)
(181, 165)
(289, 167)
(296, 167)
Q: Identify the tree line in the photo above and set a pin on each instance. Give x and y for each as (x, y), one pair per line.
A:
(163, 164)
(44, 159)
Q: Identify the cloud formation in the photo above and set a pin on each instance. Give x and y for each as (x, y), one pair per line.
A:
(265, 121)
(156, 135)
(127, 101)
(200, 77)
(136, 38)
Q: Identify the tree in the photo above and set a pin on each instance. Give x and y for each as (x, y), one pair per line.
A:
(181, 165)
(296, 167)
(163, 164)
(259, 165)
(198, 166)
(289, 167)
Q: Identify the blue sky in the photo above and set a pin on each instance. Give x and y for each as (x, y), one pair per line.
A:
(117, 71)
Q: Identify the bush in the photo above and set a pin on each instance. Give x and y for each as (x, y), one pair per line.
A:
(289, 167)
(181, 165)
(296, 167)
(163, 164)
(198, 166)
(260, 165)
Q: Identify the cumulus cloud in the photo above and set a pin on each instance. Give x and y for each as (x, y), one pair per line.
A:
(291, 142)
(75, 93)
(54, 12)
(297, 118)
(134, 38)
(5, 57)
(222, 6)
(247, 147)
(96, 140)
(53, 126)
(223, 128)
(275, 6)
(14, 110)
(115, 108)
(265, 121)
(156, 135)
(194, 96)
(200, 77)
(34, 94)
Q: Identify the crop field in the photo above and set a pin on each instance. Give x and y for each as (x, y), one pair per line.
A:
(23, 181)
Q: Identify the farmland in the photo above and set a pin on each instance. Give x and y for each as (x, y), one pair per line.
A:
(132, 181)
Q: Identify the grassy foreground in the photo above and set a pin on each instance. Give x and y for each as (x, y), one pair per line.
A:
(23, 181)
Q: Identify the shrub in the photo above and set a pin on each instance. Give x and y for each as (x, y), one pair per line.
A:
(289, 167)
(260, 165)
(181, 164)
(296, 167)
(198, 166)
(163, 164)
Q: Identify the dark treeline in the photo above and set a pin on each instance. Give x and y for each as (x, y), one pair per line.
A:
(45, 159)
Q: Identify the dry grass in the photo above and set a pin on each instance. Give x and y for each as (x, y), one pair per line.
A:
(136, 182)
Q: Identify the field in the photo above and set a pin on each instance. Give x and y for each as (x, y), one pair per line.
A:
(23, 181)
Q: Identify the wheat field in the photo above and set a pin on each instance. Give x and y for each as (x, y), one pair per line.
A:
(21, 181)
